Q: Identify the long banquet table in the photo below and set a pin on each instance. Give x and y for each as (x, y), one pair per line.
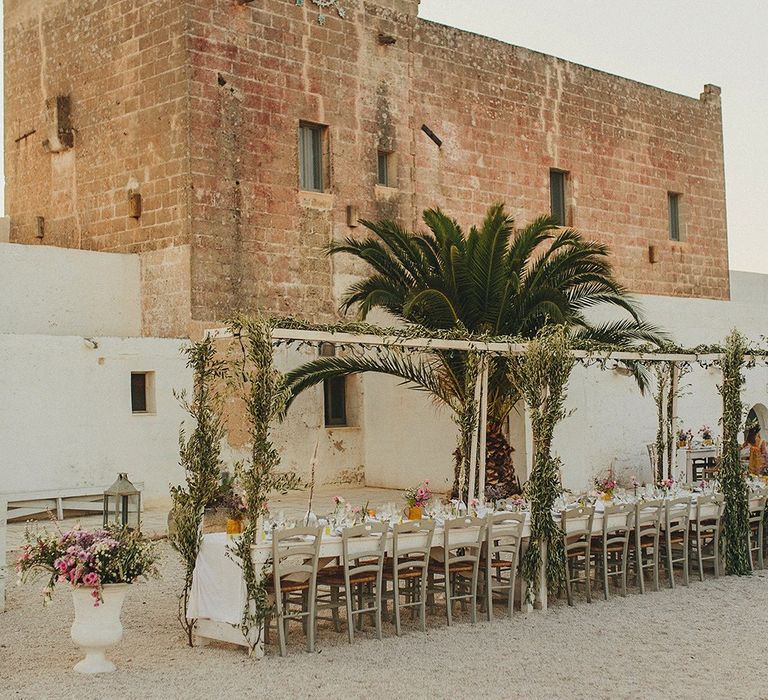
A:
(218, 594)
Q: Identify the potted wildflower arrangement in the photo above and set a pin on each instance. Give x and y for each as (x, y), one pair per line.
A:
(684, 438)
(416, 499)
(98, 566)
(605, 487)
(706, 434)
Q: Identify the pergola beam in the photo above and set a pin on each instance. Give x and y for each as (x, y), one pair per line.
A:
(424, 343)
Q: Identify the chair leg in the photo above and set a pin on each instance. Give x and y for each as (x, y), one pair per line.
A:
(448, 599)
(670, 565)
(656, 566)
(350, 617)
(686, 560)
(588, 574)
(396, 604)
(475, 575)
(699, 555)
(511, 594)
(377, 600)
(716, 548)
(624, 558)
(311, 619)
(489, 594)
(640, 568)
(568, 592)
(605, 572)
(335, 608)
(282, 628)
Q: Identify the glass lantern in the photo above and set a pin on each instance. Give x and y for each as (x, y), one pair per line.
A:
(122, 504)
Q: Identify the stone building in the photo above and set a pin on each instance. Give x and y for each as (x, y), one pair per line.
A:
(228, 141)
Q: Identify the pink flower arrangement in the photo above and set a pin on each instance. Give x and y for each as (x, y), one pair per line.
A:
(667, 484)
(605, 486)
(418, 497)
(87, 558)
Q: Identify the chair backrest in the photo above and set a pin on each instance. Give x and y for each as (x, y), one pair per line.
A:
(577, 522)
(648, 517)
(295, 552)
(463, 539)
(757, 504)
(504, 532)
(412, 551)
(364, 547)
(708, 511)
(618, 518)
(677, 514)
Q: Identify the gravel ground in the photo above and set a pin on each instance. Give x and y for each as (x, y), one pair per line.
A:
(706, 640)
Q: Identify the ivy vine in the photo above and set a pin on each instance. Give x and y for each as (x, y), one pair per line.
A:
(732, 474)
(541, 375)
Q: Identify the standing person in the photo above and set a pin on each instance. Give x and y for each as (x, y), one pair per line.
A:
(758, 450)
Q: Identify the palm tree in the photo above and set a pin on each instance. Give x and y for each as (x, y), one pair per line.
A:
(494, 280)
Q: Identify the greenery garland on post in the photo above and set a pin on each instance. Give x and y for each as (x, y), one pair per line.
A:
(732, 475)
(541, 376)
(265, 396)
(200, 457)
(466, 417)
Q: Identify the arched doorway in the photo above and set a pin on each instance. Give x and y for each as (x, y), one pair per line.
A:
(758, 414)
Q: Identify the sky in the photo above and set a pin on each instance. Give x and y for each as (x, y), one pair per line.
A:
(678, 45)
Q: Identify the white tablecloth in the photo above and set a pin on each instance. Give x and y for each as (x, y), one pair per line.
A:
(218, 588)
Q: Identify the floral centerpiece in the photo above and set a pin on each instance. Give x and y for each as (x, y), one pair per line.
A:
(605, 487)
(667, 484)
(684, 438)
(228, 508)
(517, 504)
(417, 498)
(706, 434)
(98, 565)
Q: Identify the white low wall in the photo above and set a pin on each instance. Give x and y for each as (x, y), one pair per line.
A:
(65, 415)
(61, 291)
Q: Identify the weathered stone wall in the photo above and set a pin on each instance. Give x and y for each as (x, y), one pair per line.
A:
(197, 104)
(123, 65)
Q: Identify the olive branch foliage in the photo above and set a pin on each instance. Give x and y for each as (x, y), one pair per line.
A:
(200, 457)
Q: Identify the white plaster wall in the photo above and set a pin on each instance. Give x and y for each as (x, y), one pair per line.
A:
(340, 452)
(407, 437)
(61, 291)
(65, 414)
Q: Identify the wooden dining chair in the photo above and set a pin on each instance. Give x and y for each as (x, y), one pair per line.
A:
(674, 539)
(613, 544)
(358, 584)
(504, 532)
(705, 532)
(295, 555)
(456, 576)
(645, 543)
(757, 529)
(576, 524)
(408, 568)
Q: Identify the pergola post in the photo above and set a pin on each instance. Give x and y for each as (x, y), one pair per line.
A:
(483, 426)
(473, 447)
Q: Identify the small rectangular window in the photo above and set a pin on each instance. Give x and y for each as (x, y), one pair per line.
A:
(557, 182)
(335, 401)
(311, 166)
(384, 175)
(142, 392)
(673, 200)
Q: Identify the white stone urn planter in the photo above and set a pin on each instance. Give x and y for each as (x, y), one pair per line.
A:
(97, 627)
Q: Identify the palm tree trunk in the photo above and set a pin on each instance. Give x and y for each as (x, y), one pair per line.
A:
(500, 478)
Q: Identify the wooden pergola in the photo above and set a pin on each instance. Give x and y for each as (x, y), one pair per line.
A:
(476, 486)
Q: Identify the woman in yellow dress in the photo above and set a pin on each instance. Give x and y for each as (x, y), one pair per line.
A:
(758, 451)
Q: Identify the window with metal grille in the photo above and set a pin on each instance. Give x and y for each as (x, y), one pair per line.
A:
(311, 166)
(384, 175)
(557, 183)
(673, 201)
